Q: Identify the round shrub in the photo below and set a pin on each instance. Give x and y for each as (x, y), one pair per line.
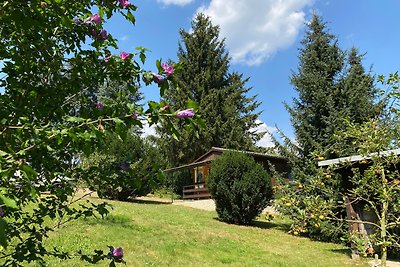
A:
(240, 187)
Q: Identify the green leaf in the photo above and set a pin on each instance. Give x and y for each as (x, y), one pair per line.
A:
(30, 173)
(74, 119)
(158, 64)
(118, 121)
(192, 104)
(130, 17)
(8, 202)
(142, 57)
(3, 154)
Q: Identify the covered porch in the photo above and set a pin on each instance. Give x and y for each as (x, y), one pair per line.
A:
(199, 172)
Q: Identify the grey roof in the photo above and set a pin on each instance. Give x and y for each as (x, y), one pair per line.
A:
(199, 162)
(358, 157)
(219, 149)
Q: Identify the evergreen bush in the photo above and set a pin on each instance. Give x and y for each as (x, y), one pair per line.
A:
(240, 187)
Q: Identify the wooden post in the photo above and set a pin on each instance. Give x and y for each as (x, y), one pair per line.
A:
(353, 226)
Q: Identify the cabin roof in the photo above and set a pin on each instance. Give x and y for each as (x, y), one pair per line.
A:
(221, 150)
(356, 158)
(200, 161)
(194, 164)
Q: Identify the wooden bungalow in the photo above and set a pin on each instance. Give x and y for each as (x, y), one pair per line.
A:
(355, 212)
(201, 168)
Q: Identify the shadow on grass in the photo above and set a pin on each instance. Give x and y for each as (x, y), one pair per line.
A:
(265, 225)
(282, 226)
(150, 202)
(111, 220)
(343, 251)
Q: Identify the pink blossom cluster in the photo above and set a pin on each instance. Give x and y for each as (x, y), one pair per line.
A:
(92, 22)
(124, 3)
(169, 69)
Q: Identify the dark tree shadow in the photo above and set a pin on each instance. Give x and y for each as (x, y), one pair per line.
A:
(263, 225)
(343, 251)
(150, 202)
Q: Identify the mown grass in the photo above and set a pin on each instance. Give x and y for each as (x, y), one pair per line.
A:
(156, 234)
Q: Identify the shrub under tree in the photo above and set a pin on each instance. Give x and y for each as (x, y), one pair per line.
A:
(240, 187)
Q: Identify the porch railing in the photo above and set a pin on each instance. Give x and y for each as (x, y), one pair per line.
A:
(196, 191)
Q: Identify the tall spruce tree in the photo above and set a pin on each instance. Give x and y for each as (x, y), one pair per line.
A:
(333, 88)
(313, 113)
(221, 95)
(329, 92)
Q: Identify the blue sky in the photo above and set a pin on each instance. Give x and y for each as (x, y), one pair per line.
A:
(263, 37)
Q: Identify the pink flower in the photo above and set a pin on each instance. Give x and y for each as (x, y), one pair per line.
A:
(96, 19)
(157, 78)
(118, 253)
(124, 55)
(107, 58)
(166, 107)
(187, 113)
(99, 106)
(103, 34)
(169, 70)
(135, 116)
(124, 3)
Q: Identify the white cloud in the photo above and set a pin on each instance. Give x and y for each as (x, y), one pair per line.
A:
(266, 141)
(148, 130)
(175, 2)
(254, 29)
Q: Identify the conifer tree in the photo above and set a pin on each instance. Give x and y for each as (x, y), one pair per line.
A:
(221, 95)
(313, 113)
(329, 92)
(333, 89)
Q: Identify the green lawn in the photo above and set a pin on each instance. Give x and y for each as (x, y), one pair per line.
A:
(155, 234)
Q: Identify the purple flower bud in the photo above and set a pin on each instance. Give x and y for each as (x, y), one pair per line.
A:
(125, 166)
(124, 55)
(1, 212)
(93, 33)
(103, 34)
(169, 70)
(99, 106)
(157, 78)
(187, 113)
(118, 253)
(96, 19)
(124, 3)
(135, 116)
(107, 58)
(166, 107)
